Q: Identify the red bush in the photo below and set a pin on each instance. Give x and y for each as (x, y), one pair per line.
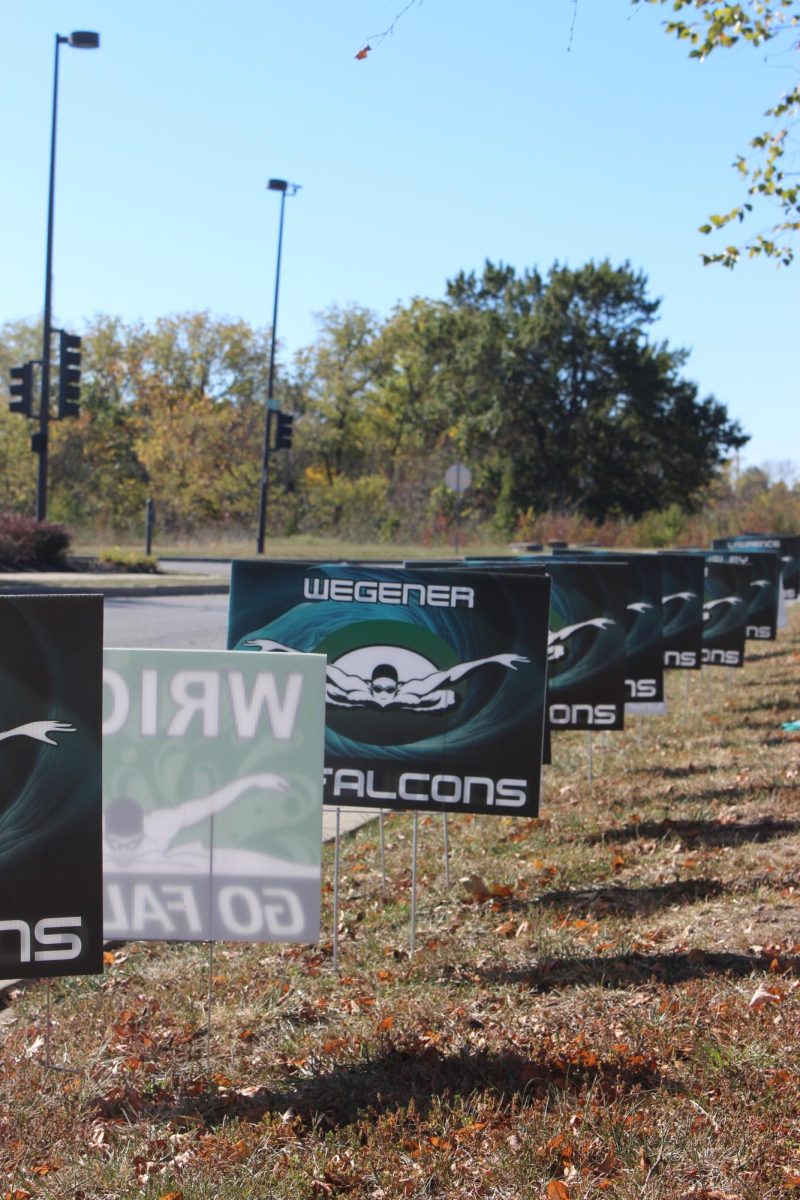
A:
(25, 541)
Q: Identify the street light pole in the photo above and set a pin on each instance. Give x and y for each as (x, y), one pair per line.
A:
(81, 40)
(274, 185)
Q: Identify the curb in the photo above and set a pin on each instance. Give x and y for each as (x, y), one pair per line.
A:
(112, 590)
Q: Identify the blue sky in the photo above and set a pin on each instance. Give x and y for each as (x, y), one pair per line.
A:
(524, 131)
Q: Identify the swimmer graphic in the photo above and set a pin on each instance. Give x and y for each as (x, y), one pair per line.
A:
(381, 685)
(136, 837)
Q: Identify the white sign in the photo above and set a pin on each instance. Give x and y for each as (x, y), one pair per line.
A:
(458, 478)
(212, 794)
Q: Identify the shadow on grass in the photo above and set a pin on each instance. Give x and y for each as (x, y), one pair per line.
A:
(630, 970)
(406, 1070)
(707, 833)
(773, 723)
(773, 704)
(618, 900)
(751, 657)
(686, 772)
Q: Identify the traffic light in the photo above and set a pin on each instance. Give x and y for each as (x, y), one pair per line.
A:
(22, 386)
(283, 431)
(69, 374)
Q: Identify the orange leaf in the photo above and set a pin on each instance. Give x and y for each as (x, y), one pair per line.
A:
(363, 52)
(470, 1130)
(171, 1196)
(556, 1190)
(385, 1025)
(331, 1045)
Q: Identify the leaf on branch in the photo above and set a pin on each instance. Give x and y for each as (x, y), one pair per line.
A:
(363, 52)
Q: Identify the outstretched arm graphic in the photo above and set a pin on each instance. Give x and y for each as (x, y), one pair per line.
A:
(193, 811)
(555, 647)
(429, 683)
(39, 731)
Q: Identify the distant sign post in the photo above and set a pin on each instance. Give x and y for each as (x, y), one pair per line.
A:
(458, 478)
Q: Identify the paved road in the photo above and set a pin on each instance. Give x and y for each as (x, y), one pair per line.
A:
(167, 622)
(218, 567)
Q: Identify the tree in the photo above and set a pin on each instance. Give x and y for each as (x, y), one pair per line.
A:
(558, 390)
(764, 172)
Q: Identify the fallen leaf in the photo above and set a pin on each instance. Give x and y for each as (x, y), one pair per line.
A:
(475, 886)
(556, 1190)
(331, 1045)
(765, 995)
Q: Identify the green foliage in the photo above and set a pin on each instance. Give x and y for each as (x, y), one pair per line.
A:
(553, 380)
(128, 560)
(767, 173)
(658, 530)
(547, 385)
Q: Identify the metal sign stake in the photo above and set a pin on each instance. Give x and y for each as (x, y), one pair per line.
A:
(589, 757)
(383, 858)
(446, 852)
(413, 938)
(336, 893)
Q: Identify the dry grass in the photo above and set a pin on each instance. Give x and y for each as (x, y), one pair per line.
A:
(303, 546)
(614, 1013)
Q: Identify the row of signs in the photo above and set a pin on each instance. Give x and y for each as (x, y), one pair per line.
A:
(418, 686)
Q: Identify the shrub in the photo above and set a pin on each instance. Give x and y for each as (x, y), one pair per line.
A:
(129, 560)
(26, 541)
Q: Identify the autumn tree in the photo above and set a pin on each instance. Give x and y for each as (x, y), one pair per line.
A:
(767, 170)
(562, 396)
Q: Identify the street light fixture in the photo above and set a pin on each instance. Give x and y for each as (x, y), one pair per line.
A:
(80, 39)
(285, 189)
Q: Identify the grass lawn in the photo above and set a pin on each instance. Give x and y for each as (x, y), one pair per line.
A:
(609, 1006)
(302, 546)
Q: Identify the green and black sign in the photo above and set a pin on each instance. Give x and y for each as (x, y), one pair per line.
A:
(786, 546)
(586, 639)
(725, 602)
(644, 671)
(435, 683)
(51, 899)
(682, 588)
(764, 596)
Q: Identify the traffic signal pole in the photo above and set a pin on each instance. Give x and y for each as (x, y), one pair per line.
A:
(274, 185)
(84, 40)
(44, 408)
(262, 506)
